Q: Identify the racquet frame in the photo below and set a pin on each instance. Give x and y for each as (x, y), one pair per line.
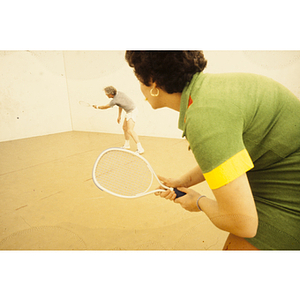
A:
(84, 103)
(147, 192)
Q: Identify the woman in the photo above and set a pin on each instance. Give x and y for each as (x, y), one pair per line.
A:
(244, 131)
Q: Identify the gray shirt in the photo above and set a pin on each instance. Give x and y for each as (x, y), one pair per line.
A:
(123, 101)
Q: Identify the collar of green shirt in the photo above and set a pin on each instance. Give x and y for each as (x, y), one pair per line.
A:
(186, 101)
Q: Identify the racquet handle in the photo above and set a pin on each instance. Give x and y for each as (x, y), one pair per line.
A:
(179, 193)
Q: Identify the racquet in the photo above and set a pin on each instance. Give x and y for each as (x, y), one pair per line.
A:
(126, 174)
(84, 103)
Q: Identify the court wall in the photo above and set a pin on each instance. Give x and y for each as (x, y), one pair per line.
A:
(33, 94)
(40, 90)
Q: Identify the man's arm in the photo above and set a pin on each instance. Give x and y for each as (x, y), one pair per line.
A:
(119, 115)
(101, 106)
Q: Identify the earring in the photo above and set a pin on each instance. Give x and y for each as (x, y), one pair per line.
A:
(154, 95)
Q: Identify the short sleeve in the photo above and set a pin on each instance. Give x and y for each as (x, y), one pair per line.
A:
(215, 136)
(112, 103)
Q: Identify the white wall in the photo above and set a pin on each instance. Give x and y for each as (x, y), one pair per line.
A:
(282, 66)
(88, 72)
(33, 94)
(40, 90)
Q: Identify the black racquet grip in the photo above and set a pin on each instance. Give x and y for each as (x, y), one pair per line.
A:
(179, 193)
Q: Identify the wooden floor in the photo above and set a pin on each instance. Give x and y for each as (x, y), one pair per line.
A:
(48, 199)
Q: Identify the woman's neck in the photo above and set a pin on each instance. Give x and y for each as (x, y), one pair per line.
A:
(172, 101)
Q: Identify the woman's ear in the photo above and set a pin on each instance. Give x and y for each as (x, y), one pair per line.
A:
(152, 85)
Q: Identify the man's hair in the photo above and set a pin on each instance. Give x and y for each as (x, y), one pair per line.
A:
(110, 90)
(170, 70)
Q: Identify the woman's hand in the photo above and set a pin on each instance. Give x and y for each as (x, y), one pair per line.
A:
(169, 182)
(188, 201)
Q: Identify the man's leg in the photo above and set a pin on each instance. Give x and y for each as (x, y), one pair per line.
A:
(126, 135)
(132, 133)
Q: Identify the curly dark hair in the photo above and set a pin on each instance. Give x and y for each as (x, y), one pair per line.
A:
(170, 70)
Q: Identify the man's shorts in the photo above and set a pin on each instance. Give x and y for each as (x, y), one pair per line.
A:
(132, 115)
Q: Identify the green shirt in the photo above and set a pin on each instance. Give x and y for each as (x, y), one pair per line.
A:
(237, 122)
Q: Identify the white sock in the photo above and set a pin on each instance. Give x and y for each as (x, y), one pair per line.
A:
(127, 144)
(139, 146)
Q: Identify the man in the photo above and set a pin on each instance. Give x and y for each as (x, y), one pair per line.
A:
(124, 102)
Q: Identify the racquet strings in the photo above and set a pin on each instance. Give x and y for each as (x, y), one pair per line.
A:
(123, 173)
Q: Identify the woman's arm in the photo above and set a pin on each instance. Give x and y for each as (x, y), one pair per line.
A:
(193, 177)
(233, 210)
